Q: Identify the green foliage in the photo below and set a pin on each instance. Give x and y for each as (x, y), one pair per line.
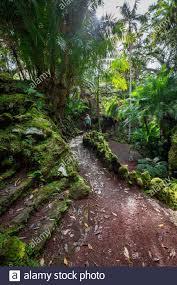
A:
(157, 95)
(167, 193)
(172, 156)
(154, 167)
(163, 29)
(152, 112)
(147, 138)
(156, 185)
(76, 108)
(117, 73)
(14, 252)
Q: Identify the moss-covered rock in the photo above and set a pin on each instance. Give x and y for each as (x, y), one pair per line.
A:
(13, 252)
(5, 120)
(146, 178)
(168, 195)
(133, 176)
(97, 141)
(140, 182)
(11, 248)
(12, 193)
(156, 186)
(31, 143)
(46, 227)
(123, 171)
(78, 188)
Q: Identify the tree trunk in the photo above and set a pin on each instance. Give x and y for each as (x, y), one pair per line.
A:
(98, 100)
(18, 63)
(130, 94)
(57, 95)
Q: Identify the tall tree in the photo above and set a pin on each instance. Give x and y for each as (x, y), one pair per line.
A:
(127, 29)
(53, 38)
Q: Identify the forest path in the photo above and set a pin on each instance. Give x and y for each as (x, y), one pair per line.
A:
(116, 225)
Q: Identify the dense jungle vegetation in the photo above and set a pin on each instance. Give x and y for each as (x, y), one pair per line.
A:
(59, 62)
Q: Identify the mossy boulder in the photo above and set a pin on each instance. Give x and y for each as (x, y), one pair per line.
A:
(168, 195)
(31, 144)
(156, 186)
(132, 176)
(34, 139)
(97, 141)
(146, 178)
(123, 171)
(139, 182)
(12, 250)
(78, 188)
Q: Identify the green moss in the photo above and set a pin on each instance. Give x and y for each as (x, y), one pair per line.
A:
(13, 193)
(14, 252)
(38, 196)
(133, 177)
(146, 178)
(14, 103)
(11, 248)
(67, 163)
(156, 186)
(140, 182)
(43, 233)
(30, 140)
(168, 195)
(97, 141)
(36, 141)
(5, 76)
(43, 193)
(8, 174)
(78, 189)
(157, 183)
(123, 171)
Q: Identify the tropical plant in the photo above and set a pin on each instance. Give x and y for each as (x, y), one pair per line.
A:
(127, 29)
(43, 37)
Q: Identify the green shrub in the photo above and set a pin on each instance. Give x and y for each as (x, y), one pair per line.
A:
(155, 167)
(172, 156)
(156, 185)
(168, 194)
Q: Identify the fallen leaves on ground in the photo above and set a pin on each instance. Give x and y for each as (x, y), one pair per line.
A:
(42, 261)
(65, 261)
(126, 253)
(86, 225)
(172, 253)
(89, 246)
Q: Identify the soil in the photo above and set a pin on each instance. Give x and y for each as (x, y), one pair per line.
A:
(126, 154)
(115, 226)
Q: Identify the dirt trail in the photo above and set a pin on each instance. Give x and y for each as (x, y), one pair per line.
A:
(115, 226)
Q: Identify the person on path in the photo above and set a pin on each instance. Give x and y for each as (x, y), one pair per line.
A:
(87, 122)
